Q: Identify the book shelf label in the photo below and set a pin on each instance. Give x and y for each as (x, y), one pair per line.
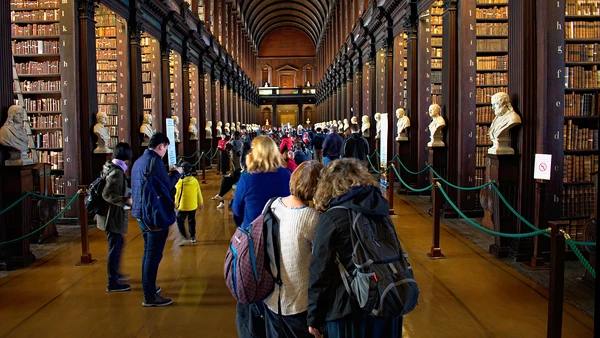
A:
(542, 164)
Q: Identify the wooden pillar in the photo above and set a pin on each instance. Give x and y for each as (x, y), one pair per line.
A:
(350, 111)
(165, 82)
(6, 97)
(136, 102)
(373, 101)
(202, 107)
(389, 107)
(87, 104)
(184, 136)
(412, 110)
(213, 107)
(222, 102)
(424, 94)
(358, 91)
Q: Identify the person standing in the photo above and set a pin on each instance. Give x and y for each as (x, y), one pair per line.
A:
(116, 193)
(154, 240)
(332, 146)
(235, 150)
(188, 199)
(355, 145)
(317, 143)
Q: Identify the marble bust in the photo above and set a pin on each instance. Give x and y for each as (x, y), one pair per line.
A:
(192, 129)
(266, 122)
(238, 126)
(175, 127)
(402, 123)
(219, 128)
(208, 129)
(377, 125)
(227, 128)
(506, 118)
(146, 128)
(346, 124)
(340, 126)
(366, 125)
(354, 120)
(13, 135)
(102, 145)
(435, 126)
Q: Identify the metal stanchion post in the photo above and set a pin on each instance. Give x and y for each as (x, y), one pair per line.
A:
(203, 168)
(557, 281)
(391, 188)
(436, 251)
(86, 256)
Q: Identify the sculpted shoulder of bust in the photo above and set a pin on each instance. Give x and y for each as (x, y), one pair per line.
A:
(402, 123)
(436, 126)
(12, 133)
(506, 118)
(377, 125)
(103, 143)
(146, 127)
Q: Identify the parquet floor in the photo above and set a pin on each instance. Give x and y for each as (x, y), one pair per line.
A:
(470, 294)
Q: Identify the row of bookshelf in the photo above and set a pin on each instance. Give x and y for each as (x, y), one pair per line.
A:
(436, 89)
(436, 41)
(102, 75)
(110, 65)
(436, 63)
(482, 136)
(575, 229)
(147, 101)
(492, 2)
(577, 168)
(491, 28)
(58, 185)
(104, 42)
(487, 45)
(50, 139)
(436, 76)
(104, 54)
(482, 79)
(499, 62)
(582, 30)
(582, 77)
(40, 86)
(34, 47)
(436, 52)
(106, 31)
(578, 201)
(104, 87)
(34, 29)
(496, 12)
(480, 156)
(33, 67)
(54, 158)
(575, 138)
(581, 104)
(45, 121)
(109, 109)
(42, 105)
(146, 76)
(33, 3)
(484, 94)
(484, 114)
(582, 52)
(35, 15)
(582, 7)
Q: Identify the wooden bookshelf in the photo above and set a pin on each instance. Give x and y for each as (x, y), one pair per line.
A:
(436, 10)
(491, 62)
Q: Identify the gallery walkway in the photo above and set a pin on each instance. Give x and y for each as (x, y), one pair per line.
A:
(470, 294)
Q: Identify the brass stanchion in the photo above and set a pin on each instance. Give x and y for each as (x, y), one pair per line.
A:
(86, 256)
(436, 251)
(557, 281)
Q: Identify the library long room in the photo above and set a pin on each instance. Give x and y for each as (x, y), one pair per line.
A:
(473, 122)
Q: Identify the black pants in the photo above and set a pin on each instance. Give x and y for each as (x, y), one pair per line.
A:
(115, 246)
(191, 216)
(227, 183)
(250, 320)
(293, 326)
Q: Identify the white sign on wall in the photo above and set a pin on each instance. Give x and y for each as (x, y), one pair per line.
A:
(172, 156)
(543, 163)
(383, 138)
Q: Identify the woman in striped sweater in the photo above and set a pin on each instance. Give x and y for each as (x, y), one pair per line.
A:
(297, 228)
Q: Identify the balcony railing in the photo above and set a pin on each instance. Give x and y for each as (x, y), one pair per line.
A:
(287, 91)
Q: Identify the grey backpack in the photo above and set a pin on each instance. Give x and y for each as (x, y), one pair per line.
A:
(382, 281)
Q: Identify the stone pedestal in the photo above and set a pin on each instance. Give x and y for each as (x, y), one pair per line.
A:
(410, 179)
(438, 159)
(504, 170)
(17, 181)
(98, 161)
(193, 147)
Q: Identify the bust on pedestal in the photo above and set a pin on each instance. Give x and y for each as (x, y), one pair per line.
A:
(402, 123)
(227, 128)
(193, 130)
(208, 129)
(175, 128)
(146, 128)
(366, 125)
(436, 126)
(505, 119)
(13, 136)
(377, 125)
(102, 132)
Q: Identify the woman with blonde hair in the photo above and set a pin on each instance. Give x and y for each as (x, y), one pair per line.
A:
(266, 178)
(331, 309)
(297, 226)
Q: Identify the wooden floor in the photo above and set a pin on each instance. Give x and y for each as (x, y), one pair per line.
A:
(470, 294)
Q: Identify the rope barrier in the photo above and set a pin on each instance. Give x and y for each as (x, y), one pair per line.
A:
(213, 155)
(15, 203)
(192, 155)
(375, 170)
(491, 232)
(199, 159)
(47, 224)
(573, 247)
(407, 170)
(29, 193)
(456, 186)
(50, 197)
(373, 154)
(408, 186)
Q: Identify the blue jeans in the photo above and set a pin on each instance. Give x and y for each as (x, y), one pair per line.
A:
(115, 246)
(154, 245)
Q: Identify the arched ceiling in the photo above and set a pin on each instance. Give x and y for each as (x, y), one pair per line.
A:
(263, 16)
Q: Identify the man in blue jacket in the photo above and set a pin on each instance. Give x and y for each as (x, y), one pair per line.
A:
(154, 237)
(332, 146)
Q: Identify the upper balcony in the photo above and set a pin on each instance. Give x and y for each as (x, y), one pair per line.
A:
(279, 95)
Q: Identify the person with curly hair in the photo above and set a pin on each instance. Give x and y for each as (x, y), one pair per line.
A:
(331, 310)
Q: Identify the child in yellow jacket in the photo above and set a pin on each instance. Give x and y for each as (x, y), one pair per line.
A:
(188, 199)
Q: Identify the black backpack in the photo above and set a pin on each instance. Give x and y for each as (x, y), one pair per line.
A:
(94, 203)
(382, 281)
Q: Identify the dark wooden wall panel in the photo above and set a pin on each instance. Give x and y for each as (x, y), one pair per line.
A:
(286, 42)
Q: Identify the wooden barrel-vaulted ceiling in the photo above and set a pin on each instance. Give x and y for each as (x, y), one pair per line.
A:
(262, 17)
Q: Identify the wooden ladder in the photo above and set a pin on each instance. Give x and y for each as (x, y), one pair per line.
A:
(26, 121)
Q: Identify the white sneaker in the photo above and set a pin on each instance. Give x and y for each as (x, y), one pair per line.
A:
(184, 242)
(217, 197)
(221, 205)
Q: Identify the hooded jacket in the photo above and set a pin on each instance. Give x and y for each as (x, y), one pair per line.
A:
(114, 194)
(188, 196)
(328, 300)
(356, 146)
